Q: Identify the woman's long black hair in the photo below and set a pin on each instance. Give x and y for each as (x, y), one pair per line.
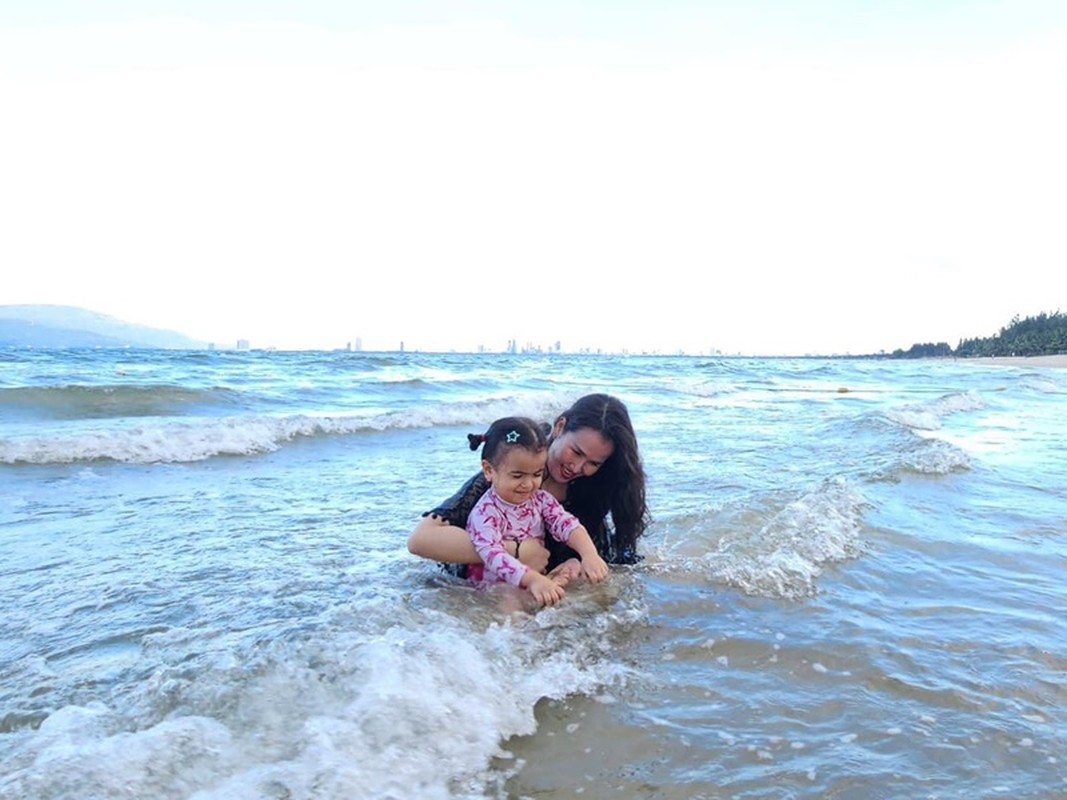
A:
(618, 487)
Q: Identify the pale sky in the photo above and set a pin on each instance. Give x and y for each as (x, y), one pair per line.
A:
(751, 176)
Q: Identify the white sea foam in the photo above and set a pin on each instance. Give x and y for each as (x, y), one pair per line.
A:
(928, 416)
(164, 440)
(930, 451)
(785, 556)
(418, 710)
(1046, 384)
(935, 457)
(915, 418)
(771, 553)
(704, 388)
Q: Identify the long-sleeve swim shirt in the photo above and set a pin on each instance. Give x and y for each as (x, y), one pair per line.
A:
(493, 521)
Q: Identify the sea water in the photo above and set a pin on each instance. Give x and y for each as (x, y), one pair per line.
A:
(853, 586)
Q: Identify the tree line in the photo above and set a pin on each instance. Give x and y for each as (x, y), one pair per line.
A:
(1041, 335)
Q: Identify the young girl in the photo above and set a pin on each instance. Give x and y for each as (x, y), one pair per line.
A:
(515, 508)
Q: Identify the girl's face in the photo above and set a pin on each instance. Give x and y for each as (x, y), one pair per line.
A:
(518, 474)
(578, 453)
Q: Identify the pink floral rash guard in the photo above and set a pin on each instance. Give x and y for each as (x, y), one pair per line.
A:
(493, 521)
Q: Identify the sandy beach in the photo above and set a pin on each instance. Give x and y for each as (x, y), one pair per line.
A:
(1059, 361)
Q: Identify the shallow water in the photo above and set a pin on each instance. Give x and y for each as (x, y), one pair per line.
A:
(847, 594)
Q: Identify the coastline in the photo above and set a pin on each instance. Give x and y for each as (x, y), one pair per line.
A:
(1059, 361)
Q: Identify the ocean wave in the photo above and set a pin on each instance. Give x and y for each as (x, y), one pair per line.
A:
(162, 442)
(338, 713)
(167, 441)
(904, 450)
(701, 389)
(109, 401)
(928, 416)
(934, 457)
(780, 555)
(1044, 384)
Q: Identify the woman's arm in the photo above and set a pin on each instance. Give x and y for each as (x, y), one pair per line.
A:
(593, 566)
(441, 535)
(437, 540)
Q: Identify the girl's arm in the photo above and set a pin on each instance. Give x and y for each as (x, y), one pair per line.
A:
(593, 566)
(436, 539)
(566, 528)
(484, 527)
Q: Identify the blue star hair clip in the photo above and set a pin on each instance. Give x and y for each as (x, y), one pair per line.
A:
(512, 437)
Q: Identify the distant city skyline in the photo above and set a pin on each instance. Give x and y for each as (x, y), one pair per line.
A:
(511, 347)
(64, 326)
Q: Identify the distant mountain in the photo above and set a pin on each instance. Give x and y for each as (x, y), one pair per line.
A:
(68, 326)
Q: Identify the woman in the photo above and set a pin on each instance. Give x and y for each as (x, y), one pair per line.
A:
(594, 469)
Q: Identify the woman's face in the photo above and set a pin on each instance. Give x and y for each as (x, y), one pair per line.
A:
(578, 453)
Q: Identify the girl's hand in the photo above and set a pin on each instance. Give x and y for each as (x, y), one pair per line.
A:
(594, 568)
(545, 590)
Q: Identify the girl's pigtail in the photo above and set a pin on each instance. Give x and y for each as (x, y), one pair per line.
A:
(476, 440)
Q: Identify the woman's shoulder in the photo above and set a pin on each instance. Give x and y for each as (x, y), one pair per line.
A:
(457, 508)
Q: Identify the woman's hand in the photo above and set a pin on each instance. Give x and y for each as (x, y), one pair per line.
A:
(566, 572)
(594, 568)
(533, 553)
(545, 590)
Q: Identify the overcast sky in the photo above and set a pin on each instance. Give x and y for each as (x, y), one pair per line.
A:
(759, 177)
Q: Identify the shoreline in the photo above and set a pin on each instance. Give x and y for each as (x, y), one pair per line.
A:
(1059, 361)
